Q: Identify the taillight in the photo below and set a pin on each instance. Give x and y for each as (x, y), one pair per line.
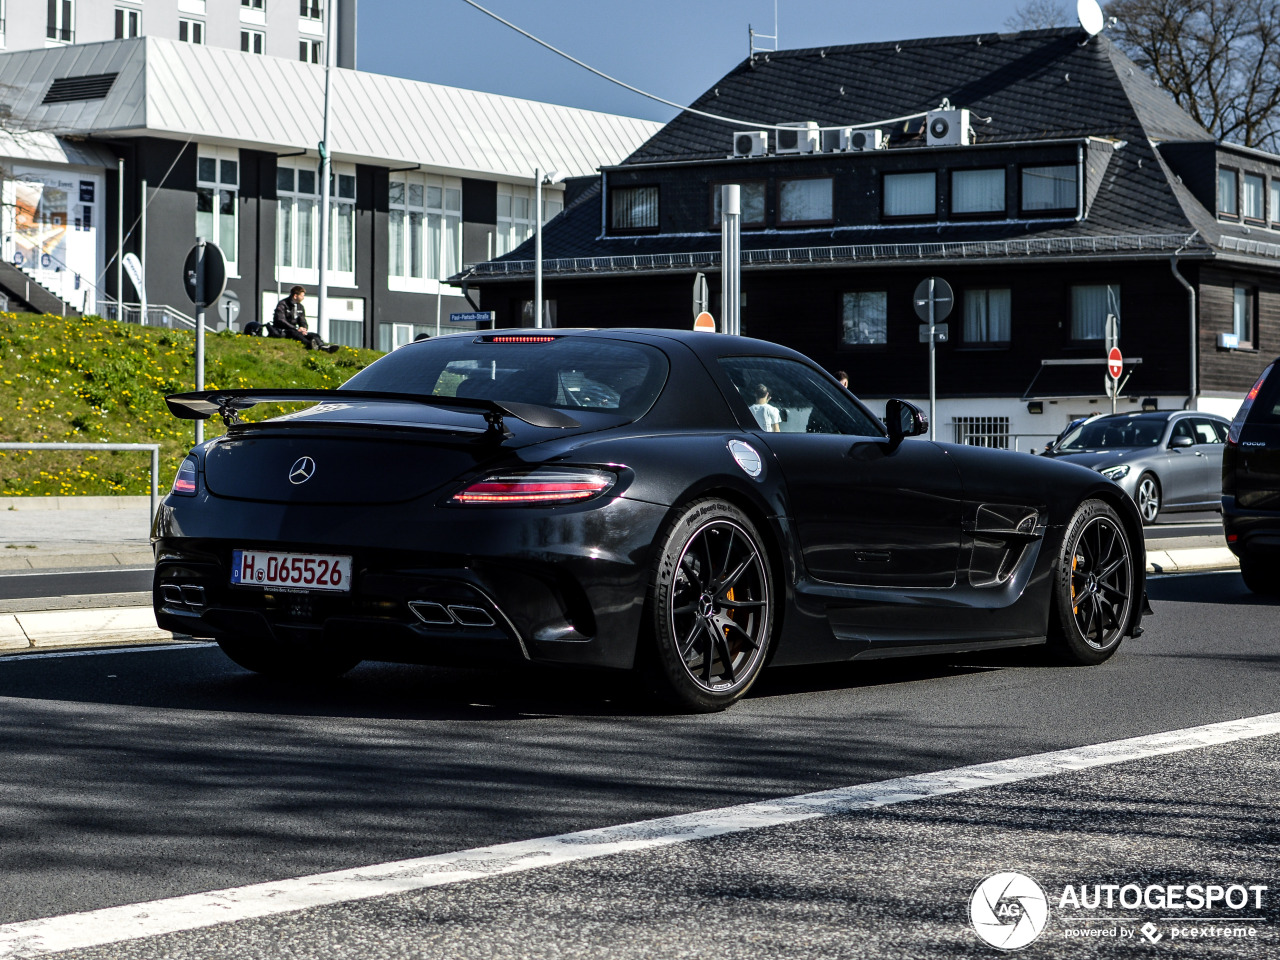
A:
(1237, 422)
(546, 485)
(184, 483)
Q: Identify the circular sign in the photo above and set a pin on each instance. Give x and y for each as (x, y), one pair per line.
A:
(215, 274)
(45, 260)
(18, 258)
(705, 322)
(937, 291)
(229, 307)
(1115, 363)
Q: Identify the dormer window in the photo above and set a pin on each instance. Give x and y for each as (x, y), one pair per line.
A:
(910, 195)
(977, 191)
(1046, 189)
(1254, 187)
(633, 209)
(802, 202)
(1228, 193)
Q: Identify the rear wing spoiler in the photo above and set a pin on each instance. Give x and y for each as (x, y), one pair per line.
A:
(229, 403)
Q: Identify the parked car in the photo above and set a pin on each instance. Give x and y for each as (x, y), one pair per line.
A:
(1251, 485)
(1166, 460)
(613, 499)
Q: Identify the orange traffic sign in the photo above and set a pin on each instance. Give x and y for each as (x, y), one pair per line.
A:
(705, 322)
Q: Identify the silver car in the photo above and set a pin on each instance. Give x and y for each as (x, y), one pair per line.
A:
(1166, 460)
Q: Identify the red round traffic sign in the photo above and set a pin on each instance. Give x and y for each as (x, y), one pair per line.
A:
(1115, 363)
(704, 321)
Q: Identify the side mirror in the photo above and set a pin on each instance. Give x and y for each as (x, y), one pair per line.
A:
(1179, 442)
(904, 420)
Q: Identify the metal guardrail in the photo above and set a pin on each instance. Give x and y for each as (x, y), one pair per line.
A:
(793, 256)
(153, 447)
(158, 315)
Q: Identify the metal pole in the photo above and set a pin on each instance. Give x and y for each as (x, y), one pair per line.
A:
(731, 257)
(120, 240)
(142, 294)
(537, 247)
(933, 368)
(200, 305)
(322, 298)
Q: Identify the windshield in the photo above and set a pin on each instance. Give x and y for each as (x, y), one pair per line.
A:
(1105, 433)
(614, 379)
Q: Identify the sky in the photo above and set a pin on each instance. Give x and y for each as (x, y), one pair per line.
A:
(676, 49)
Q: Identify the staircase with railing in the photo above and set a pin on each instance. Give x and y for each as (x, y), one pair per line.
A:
(25, 292)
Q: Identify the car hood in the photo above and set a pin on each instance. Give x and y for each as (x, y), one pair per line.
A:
(1101, 459)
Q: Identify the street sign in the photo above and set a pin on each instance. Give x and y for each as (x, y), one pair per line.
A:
(705, 322)
(941, 333)
(1115, 363)
(229, 307)
(215, 274)
(478, 316)
(701, 296)
(935, 291)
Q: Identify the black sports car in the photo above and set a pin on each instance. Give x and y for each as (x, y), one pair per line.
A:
(690, 505)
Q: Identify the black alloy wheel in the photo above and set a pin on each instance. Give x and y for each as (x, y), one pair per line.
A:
(1093, 586)
(710, 607)
(1147, 496)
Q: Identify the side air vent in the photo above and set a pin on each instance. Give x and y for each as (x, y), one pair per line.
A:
(72, 89)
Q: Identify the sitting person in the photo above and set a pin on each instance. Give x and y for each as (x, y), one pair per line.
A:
(766, 414)
(290, 321)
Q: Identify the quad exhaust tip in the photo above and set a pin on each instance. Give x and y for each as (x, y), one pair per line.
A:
(189, 596)
(437, 614)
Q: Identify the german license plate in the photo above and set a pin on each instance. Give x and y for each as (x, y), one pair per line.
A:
(291, 571)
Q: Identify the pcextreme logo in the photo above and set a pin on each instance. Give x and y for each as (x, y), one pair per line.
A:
(1008, 910)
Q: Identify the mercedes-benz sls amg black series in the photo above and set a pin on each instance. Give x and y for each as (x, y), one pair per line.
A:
(689, 505)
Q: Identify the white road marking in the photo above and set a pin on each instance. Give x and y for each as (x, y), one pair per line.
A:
(35, 938)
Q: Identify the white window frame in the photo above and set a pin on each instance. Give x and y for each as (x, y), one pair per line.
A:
(253, 41)
(1253, 197)
(310, 51)
(1275, 199)
(63, 26)
(514, 229)
(440, 209)
(195, 30)
(311, 10)
(126, 14)
(222, 183)
(340, 206)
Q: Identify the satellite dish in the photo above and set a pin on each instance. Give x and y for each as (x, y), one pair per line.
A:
(1090, 15)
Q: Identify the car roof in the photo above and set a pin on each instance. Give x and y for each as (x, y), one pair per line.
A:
(703, 344)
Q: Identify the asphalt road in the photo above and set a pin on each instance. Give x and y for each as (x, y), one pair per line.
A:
(137, 775)
(16, 586)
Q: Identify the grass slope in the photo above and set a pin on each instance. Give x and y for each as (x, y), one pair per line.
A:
(89, 380)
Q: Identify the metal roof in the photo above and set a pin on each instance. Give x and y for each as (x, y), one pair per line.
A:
(211, 94)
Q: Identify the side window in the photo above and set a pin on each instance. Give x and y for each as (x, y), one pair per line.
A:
(1206, 431)
(786, 396)
(1183, 429)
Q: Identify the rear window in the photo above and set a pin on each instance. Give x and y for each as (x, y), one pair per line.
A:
(1264, 405)
(616, 380)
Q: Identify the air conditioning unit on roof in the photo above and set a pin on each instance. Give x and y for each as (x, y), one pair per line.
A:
(947, 128)
(872, 139)
(801, 137)
(750, 143)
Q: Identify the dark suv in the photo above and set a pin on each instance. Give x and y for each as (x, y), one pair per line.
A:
(1251, 484)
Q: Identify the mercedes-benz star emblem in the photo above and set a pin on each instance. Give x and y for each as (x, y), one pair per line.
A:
(302, 470)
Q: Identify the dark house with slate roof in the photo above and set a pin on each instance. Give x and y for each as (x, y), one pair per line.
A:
(1080, 190)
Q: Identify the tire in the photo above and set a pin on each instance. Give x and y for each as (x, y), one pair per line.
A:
(1261, 576)
(1093, 586)
(1147, 496)
(273, 660)
(710, 607)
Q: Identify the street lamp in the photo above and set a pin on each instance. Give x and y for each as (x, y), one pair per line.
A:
(540, 180)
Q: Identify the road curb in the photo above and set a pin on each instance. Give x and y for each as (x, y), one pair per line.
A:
(1202, 560)
(63, 629)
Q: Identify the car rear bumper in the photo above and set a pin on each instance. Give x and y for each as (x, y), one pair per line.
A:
(1252, 532)
(463, 587)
